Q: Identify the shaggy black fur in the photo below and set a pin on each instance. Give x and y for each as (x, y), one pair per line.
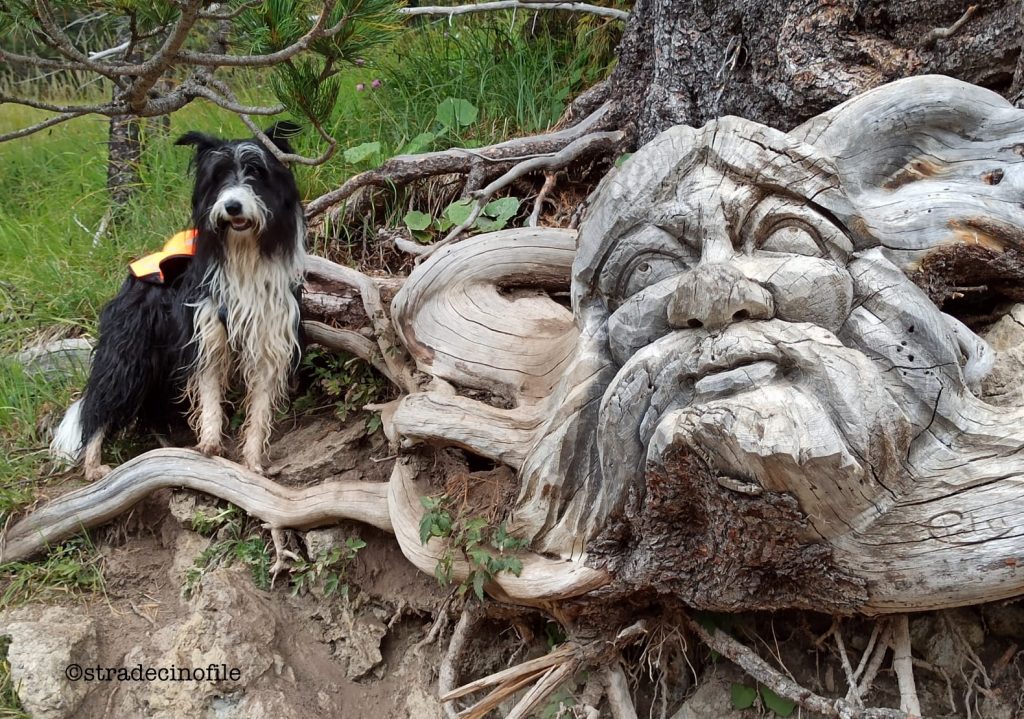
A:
(145, 351)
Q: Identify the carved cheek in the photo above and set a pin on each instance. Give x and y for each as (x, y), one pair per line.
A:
(805, 289)
(640, 320)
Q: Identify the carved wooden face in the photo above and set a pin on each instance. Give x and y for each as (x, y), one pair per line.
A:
(746, 327)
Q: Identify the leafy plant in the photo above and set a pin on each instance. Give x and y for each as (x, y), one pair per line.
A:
(494, 216)
(237, 541)
(330, 568)
(488, 549)
(346, 382)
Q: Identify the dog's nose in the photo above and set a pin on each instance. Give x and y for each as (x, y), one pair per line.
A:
(233, 208)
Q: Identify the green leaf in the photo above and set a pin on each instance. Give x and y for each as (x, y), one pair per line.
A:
(478, 584)
(513, 566)
(361, 153)
(419, 143)
(417, 221)
(486, 224)
(742, 696)
(479, 556)
(505, 208)
(426, 522)
(780, 705)
(454, 113)
(458, 212)
(622, 158)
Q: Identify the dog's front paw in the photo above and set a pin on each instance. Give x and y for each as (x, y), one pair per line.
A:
(94, 474)
(210, 449)
(256, 467)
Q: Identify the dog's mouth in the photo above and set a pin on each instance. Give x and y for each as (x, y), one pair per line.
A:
(240, 224)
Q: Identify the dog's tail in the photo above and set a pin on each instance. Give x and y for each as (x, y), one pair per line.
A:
(67, 443)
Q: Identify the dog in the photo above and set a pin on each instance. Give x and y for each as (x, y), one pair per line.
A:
(188, 321)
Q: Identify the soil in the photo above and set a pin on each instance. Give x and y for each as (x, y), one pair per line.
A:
(311, 655)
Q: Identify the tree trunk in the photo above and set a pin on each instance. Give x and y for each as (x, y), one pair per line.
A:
(781, 62)
(124, 154)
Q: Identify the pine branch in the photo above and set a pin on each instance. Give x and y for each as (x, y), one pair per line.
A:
(303, 43)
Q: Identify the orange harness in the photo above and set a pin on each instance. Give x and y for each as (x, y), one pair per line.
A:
(151, 267)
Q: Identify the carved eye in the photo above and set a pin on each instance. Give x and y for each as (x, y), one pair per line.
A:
(647, 269)
(792, 239)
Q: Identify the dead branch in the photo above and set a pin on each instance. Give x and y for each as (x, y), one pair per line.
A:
(903, 666)
(449, 11)
(758, 669)
(544, 688)
(403, 169)
(32, 129)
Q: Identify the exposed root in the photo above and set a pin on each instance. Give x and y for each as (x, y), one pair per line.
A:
(903, 666)
(401, 170)
(391, 352)
(617, 690)
(447, 674)
(538, 203)
(280, 553)
(851, 679)
(875, 661)
(278, 506)
(761, 671)
(541, 581)
(940, 33)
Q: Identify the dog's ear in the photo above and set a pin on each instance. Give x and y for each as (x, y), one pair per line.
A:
(280, 132)
(198, 140)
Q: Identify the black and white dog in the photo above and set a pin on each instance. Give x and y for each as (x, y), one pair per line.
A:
(172, 342)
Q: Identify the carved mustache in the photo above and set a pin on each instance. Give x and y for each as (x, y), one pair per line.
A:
(691, 367)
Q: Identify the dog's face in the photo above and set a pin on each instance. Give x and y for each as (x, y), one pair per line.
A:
(241, 188)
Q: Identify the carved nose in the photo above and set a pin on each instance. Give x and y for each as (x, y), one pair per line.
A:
(716, 295)
(234, 207)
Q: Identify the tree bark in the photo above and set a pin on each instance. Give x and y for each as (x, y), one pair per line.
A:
(781, 62)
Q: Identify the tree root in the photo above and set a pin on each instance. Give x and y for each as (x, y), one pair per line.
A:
(617, 690)
(541, 581)
(758, 669)
(903, 666)
(404, 169)
(354, 343)
(391, 352)
(281, 507)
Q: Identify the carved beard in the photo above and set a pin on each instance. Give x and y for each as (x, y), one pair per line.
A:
(792, 407)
